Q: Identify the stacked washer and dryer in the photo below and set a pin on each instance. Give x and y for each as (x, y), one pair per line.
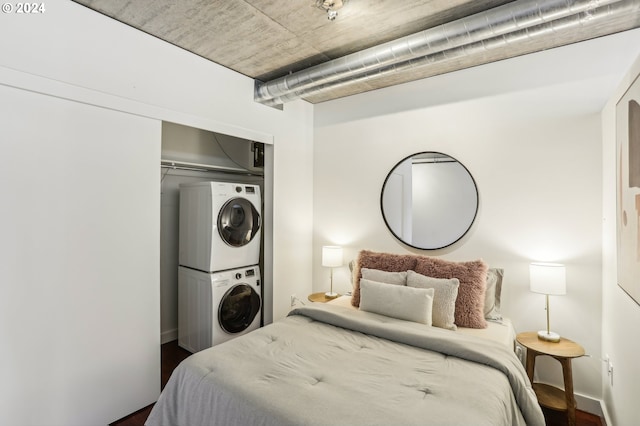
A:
(219, 294)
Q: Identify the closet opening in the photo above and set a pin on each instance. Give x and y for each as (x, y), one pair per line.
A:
(191, 155)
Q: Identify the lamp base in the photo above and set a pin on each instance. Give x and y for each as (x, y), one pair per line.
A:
(331, 295)
(548, 336)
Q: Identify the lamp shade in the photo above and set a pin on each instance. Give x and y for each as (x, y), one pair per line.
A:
(547, 278)
(331, 256)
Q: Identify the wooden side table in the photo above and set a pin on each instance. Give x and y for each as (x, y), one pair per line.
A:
(320, 297)
(563, 351)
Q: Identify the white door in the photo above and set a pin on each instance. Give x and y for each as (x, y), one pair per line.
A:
(79, 261)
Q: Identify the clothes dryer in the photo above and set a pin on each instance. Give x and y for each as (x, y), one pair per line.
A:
(220, 225)
(214, 308)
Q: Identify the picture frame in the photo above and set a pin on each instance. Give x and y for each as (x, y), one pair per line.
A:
(628, 190)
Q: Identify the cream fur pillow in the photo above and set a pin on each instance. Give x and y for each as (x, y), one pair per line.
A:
(444, 298)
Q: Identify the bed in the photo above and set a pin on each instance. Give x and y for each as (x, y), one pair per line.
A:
(333, 364)
(499, 330)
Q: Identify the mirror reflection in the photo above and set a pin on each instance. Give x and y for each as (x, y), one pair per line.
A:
(429, 200)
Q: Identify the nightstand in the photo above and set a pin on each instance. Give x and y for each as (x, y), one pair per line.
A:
(563, 351)
(320, 297)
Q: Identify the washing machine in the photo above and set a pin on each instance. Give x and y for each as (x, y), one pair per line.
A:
(214, 308)
(219, 225)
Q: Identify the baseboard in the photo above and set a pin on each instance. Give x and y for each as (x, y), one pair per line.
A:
(168, 336)
(589, 404)
(606, 420)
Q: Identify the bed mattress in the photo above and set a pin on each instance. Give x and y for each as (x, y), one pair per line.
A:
(333, 365)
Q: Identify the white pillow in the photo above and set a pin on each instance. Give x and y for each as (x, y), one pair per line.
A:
(444, 298)
(398, 278)
(406, 303)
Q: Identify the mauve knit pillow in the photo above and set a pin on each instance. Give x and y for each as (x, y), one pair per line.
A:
(382, 261)
(473, 283)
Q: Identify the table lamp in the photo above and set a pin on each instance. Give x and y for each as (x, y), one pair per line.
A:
(331, 258)
(547, 279)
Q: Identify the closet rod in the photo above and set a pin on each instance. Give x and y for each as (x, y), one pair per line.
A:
(197, 167)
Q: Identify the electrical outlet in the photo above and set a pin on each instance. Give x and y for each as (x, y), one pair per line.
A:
(607, 361)
(295, 301)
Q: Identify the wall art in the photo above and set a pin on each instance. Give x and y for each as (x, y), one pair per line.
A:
(628, 190)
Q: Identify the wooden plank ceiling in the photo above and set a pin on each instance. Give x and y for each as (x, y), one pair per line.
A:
(266, 39)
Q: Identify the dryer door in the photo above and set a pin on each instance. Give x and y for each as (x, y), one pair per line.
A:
(238, 308)
(238, 222)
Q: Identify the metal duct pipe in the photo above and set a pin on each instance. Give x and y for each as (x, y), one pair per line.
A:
(469, 49)
(506, 24)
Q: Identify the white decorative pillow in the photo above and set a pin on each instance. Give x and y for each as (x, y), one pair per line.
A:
(378, 275)
(444, 298)
(493, 294)
(396, 301)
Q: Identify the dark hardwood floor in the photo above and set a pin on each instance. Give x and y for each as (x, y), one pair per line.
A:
(556, 418)
(172, 355)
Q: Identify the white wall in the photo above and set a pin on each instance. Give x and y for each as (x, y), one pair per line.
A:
(71, 52)
(620, 313)
(126, 69)
(534, 151)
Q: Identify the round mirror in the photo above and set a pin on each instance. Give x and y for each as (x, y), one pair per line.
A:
(429, 200)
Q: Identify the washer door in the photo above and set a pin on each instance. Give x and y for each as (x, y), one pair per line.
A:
(238, 222)
(238, 308)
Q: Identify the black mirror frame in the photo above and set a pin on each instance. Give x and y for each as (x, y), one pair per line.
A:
(466, 231)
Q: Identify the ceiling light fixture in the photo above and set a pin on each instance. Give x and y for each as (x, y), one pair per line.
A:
(331, 7)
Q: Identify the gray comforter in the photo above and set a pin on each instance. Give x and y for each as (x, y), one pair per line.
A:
(328, 365)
